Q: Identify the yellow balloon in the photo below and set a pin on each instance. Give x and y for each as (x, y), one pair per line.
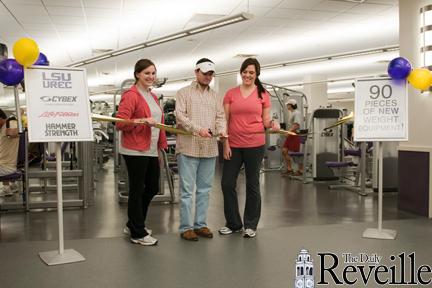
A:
(420, 78)
(26, 51)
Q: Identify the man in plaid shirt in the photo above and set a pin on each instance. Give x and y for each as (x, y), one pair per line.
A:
(199, 110)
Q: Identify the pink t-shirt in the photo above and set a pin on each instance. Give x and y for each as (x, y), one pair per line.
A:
(245, 118)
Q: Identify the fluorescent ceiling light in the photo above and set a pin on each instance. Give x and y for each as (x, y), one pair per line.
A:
(322, 59)
(334, 57)
(241, 17)
(95, 59)
(77, 64)
(171, 37)
(166, 39)
(127, 50)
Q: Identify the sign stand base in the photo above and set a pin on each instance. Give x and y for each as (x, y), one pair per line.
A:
(385, 234)
(55, 258)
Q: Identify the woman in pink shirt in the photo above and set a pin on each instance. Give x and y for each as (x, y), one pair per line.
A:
(247, 110)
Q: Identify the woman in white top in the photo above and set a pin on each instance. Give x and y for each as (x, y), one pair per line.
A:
(140, 146)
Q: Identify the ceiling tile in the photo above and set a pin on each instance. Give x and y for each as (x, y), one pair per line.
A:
(300, 24)
(38, 26)
(98, 21)
(348, 18)
(102, 13)
(301, 14)
(104, 43)
(139, 5)
(115, 4)
(269, 22)
(263, 3)
(26, 2)
(68, 20)
(389, 2)
(65, 3)
(65, 11)
(4, 12)
(21, 10)
(44, 41)
(336, 6)
(287, 31)
(295, 4)
(36, 34)
(261, 30)
(366, 8)
(71, 28)
(393, 12)
(9, 24)
(35, 20)
(286, 13)
(12, 36)
(254, 10)
(134, 26)
(317, 15)
(199, 19)
(223, 7)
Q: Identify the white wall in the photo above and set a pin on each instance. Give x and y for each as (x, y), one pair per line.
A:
(420, 105)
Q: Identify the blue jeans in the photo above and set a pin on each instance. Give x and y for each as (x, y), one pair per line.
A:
(199, 173)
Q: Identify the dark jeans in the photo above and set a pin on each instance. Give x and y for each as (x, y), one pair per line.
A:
(143, 175)
(251, 158)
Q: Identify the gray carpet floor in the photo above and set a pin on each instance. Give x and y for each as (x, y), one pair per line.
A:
(224, 261)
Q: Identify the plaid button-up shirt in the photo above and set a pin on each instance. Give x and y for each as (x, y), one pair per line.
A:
(197, 109)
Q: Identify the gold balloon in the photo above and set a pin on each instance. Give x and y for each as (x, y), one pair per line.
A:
(420, 78)
(26, 51)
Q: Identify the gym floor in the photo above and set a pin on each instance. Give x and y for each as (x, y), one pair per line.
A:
(294, 215)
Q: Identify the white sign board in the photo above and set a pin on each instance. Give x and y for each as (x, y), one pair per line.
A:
(58, 108)
(381, 110)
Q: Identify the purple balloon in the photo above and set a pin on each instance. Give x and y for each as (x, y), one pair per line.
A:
(42, 60)
(11, 73)
(399, 68)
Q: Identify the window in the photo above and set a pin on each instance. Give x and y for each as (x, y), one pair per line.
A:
(426, 36)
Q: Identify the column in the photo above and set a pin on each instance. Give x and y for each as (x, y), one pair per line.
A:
(316, 91)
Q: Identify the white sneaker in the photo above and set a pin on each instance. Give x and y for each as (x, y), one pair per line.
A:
(249, 233)
(126, 231)
(228, 231)
(146, 241)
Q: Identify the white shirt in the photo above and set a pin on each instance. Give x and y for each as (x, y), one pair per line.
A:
(295, 117)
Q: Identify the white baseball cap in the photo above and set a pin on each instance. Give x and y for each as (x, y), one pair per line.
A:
(291, 101)
(206, 67)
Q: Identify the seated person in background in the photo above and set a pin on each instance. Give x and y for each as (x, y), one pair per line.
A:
(9, 142)
(292, 142)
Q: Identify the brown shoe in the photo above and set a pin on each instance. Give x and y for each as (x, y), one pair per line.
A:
(204, 232)
(189, 235)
